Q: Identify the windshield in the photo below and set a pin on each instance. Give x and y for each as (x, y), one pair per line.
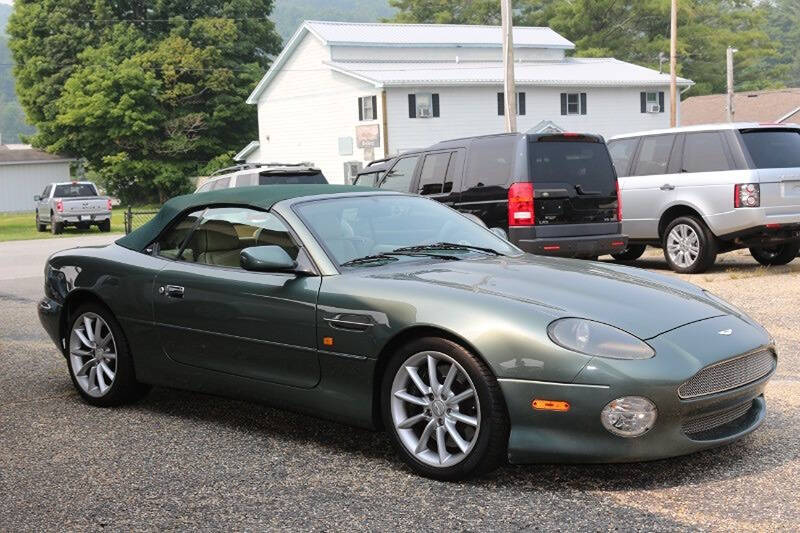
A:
(773, 148)
(367, 226)
(74, 190)
(584, 164)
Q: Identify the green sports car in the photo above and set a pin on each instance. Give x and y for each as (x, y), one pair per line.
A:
(381, 309)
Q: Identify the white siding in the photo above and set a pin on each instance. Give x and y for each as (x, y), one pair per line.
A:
(306, 109)
(467, 111)
(255, 157)
(19, 182)
(440, 53)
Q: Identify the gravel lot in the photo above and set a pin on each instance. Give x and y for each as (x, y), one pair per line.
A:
(179, 460)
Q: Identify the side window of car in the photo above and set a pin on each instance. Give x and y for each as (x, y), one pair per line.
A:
(433, 174)
(491, 162)
(399, 177)
(654, 155)
(222, 183)
(46, 192)
(246, 180)
(704, 152)
(170, 243)
(622, 152)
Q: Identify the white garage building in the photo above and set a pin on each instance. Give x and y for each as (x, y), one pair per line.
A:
(340, 94)
(24, 172)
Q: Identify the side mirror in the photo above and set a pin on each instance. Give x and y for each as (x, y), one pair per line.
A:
(500, 232)
(37, 198)
(266, 259)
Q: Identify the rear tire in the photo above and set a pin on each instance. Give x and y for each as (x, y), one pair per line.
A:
(56, 228)
(776, 256)
(101, 368)
(631, 253)
(437, 434)
(105, 226)
(689, 246)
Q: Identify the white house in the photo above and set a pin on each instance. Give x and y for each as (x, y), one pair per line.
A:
(340, 94)
(24, 172)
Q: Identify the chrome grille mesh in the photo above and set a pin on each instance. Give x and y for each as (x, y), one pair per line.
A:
(704, 423)
(729, 374)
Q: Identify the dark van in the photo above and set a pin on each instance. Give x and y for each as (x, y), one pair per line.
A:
(554, 193)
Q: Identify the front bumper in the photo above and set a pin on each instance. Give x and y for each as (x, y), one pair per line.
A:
(50, 316)
(577, 435)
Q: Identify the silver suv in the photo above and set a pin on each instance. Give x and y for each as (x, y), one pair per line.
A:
(250, 174)
(702, 190)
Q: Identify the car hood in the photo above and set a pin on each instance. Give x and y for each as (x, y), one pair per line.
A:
(637, 301)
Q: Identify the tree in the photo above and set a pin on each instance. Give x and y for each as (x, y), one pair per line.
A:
(447, 11)
(783, 23)
(147, 94)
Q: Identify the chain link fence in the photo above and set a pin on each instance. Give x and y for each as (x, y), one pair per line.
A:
(135, 218)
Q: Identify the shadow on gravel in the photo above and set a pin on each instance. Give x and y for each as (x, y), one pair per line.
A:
(754, 454)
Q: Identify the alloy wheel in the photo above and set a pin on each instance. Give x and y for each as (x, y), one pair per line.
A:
(93, 354)
(683, 245)
(435, 409)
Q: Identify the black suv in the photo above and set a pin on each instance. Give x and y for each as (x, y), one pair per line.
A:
(554, 193)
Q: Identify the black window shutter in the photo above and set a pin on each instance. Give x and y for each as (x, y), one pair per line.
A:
(521, 100)
(563, 103)
(643, 99)
(360, 108)
(583, 103)
(412, 106)
(660, 101)
(374, 107)
(501, 107)
(435, 104)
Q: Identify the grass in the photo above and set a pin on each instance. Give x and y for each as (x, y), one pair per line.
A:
(21, 226)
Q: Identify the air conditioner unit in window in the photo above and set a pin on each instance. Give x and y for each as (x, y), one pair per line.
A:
(423, 112)
(653, 108)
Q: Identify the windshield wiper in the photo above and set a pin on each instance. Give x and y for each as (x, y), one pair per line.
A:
(369, 259)
(446, 246)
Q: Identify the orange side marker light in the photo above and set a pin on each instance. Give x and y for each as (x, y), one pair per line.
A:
(327, 341)
(549, 405)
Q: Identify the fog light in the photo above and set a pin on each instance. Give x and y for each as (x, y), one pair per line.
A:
(629, 416)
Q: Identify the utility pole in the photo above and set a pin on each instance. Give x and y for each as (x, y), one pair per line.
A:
(731, 51)
(673, 65)
(509, 87)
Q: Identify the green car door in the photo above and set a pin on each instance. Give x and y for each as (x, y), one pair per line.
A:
(215, 315)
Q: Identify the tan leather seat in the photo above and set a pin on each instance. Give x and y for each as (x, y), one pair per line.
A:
(216, 243)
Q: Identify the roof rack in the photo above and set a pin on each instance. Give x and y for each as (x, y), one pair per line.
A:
(245, 166)
(377, 161)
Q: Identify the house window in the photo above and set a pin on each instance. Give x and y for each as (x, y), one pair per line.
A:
(573, 103)
(423, 105)
(652, 101)
(501, 101)
(367, 108)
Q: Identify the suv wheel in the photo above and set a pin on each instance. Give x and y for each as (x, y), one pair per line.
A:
(631, 253)
(689, 246)
(39, 226)
(444, 410)
(776, 255)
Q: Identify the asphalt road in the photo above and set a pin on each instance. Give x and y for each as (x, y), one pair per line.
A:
(179, 460)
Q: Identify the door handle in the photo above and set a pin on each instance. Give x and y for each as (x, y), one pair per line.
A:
(172, 291)
(667, 187)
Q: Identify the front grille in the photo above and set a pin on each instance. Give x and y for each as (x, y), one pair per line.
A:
(705, 423)
(729, 374)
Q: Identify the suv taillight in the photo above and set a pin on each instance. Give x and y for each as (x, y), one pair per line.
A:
(619, 204)
(59, 206)
(109, 203)
(520, 204)
(746, 195)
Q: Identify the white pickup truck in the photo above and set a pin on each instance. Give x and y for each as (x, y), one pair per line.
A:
(75, 203)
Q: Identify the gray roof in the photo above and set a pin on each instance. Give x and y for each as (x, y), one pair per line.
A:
(578, 72)
(17, 155)
(383, 34)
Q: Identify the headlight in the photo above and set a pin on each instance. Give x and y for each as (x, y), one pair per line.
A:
(595, 338)
(630, 416)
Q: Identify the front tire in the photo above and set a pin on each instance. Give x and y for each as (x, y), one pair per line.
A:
(99, 362)
(689, 246)
(56, 228)
(39, 226)
(444, 410)
(776, 256)
(631, 253)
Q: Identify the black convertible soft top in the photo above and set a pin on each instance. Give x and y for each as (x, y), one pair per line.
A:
(259, 197)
